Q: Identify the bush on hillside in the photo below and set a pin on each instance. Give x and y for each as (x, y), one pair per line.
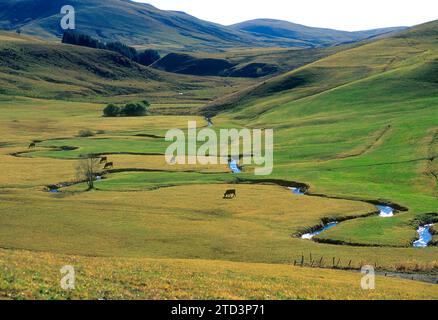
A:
(129, 110)
(123, 49)
(76, 38)
(148, 57)
(145, 58)
(134, 110)
(111, 111)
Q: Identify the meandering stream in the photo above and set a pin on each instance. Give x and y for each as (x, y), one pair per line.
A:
(385, 212)
(297, 191)
(425, 236)
(309, 236)
(234, 166)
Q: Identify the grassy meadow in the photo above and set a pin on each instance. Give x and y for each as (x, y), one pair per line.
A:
(358, 125)
(29, 275)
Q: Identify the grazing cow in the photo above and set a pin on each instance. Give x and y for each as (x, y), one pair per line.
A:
(109, 165)
(32, 145)
(103, 160)
(229, 194)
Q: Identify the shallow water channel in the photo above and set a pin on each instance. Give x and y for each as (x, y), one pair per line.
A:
(424, 236)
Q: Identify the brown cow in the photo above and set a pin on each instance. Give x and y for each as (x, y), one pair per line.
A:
(229, 194)
(109, 165)
(103, 160)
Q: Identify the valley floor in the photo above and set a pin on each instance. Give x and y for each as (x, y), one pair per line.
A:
(159, 231)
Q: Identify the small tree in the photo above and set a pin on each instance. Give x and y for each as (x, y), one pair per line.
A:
(148, 57)
(134, 110)
(87, 169)
(111, 111)
(146, 103)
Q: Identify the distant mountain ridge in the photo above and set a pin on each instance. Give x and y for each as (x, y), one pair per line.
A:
(279, 29)
(139, 24)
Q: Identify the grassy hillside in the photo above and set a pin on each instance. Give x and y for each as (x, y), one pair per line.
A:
(39, 69)
(146, 26)
(344, 67)
(277, 29)
(363, 123)
(359, 126)
(106, 278)
(131, 22)
(247, 63)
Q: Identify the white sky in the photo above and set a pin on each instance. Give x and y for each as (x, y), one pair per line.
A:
(348, 15)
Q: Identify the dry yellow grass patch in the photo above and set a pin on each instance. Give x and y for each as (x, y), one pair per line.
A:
(107, 278)
(185, 221)
(32, 172)
(26, 119)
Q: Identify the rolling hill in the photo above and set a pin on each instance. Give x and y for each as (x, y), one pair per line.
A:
(347, 66)
(40, 69)
(284, 30)
(132, 23)
(357, 124)
(146, 26)
(362, 121)
(187, 64)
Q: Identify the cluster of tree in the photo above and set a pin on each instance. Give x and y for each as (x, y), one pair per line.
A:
(129, 110)
(146, 57)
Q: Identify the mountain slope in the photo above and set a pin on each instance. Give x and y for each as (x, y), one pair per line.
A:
(205, 66)
(36, 68)
(130, 22)
(362, 122)
(338, 69)
(144, 25)
(277, 29)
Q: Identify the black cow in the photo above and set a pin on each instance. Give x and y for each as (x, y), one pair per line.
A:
(32, 145)
(109, 165)
(229, 194)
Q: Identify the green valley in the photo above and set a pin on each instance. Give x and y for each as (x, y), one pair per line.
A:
(355, 127)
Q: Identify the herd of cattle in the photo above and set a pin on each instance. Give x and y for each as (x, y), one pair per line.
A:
(229, 194)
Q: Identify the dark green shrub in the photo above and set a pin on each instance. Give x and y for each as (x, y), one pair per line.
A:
(111, 111)
(134, 110)
(146, 103)
(148, 57)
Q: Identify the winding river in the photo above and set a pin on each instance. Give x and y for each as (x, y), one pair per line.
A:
(309, 236)
(234, 166)
(386, 211)
(425, 236)
(297, 191)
